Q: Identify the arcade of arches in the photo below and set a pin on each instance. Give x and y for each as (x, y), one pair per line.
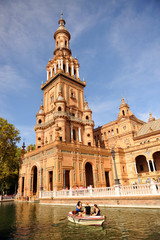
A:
(143, 165)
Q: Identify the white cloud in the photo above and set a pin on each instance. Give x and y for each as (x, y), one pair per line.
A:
(11, 80)
(134, 37)
(102, 105)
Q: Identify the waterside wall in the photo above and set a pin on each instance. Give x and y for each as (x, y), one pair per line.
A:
(114, 201)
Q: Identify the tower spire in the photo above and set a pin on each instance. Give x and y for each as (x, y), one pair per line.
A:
(61, 14)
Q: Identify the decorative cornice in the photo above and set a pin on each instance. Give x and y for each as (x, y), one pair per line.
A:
(64, 75)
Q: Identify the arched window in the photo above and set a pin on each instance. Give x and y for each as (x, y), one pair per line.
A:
(156, 159)
(123, 112)
(50, 137)
(88, 135)
(141, 164)
(89, 174)
(59, 109)
(40, 121)
(65, 43)
(87, 118)
(39, 139)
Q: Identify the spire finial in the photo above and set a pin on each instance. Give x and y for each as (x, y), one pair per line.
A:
(122, 99)
(61, 14)
(151, 118)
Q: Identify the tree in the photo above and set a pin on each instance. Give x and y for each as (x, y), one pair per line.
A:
(9, 156)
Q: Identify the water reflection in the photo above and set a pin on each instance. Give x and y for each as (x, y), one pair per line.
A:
(35, 221)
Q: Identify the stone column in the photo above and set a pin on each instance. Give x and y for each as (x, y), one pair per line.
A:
(71, 132)
(72, 70)
(41, 179)
(71, 178)
(77, 72)
(47, 75)
(20, 186)
(58, 64)
(67, 67)
(95, 178)
(54, 68)
(64, 182)
(51, 72)
(135, 168)
(148, 165)
(79, 133)
(61, 64)
(153, 165)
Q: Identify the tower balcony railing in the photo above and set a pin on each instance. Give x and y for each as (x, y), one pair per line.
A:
(117, 190)
(61, 114)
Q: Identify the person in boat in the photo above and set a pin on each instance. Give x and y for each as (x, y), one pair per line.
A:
(96, 211)
(79, 207)
(87, 209)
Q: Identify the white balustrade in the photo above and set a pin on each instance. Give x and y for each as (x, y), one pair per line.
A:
(117, 190)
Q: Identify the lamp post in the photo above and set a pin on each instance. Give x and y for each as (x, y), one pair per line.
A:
(116, 180)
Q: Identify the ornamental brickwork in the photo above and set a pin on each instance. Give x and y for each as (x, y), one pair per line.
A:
(69, 152)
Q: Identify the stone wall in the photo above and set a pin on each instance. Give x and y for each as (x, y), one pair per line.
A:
(129, 201)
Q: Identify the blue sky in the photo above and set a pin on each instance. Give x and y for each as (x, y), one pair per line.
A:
(117, 43)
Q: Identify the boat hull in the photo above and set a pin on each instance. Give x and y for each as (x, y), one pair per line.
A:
(86, 220)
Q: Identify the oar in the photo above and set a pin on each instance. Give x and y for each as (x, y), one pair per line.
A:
(63, 219)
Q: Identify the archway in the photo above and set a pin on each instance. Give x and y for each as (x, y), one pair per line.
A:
(156, 158)
(34, 172)
(89, 174)
(141, 164)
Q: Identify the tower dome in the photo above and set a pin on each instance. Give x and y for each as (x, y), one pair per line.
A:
(62, 37)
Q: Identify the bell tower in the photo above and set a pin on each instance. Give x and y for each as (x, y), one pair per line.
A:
(124, 109)
(63, 93)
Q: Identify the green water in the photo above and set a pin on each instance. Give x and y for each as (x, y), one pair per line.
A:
(36, 221)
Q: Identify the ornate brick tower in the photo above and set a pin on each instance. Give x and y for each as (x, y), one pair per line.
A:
(64, 111)
(65, 154)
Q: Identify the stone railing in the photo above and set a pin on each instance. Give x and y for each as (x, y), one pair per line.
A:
(117, 190)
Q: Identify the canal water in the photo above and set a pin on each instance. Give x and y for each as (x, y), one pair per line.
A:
(37, 221)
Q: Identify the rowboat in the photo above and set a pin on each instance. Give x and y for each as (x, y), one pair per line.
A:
(86, 219)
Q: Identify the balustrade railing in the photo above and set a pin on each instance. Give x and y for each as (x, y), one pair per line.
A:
(117, 190)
